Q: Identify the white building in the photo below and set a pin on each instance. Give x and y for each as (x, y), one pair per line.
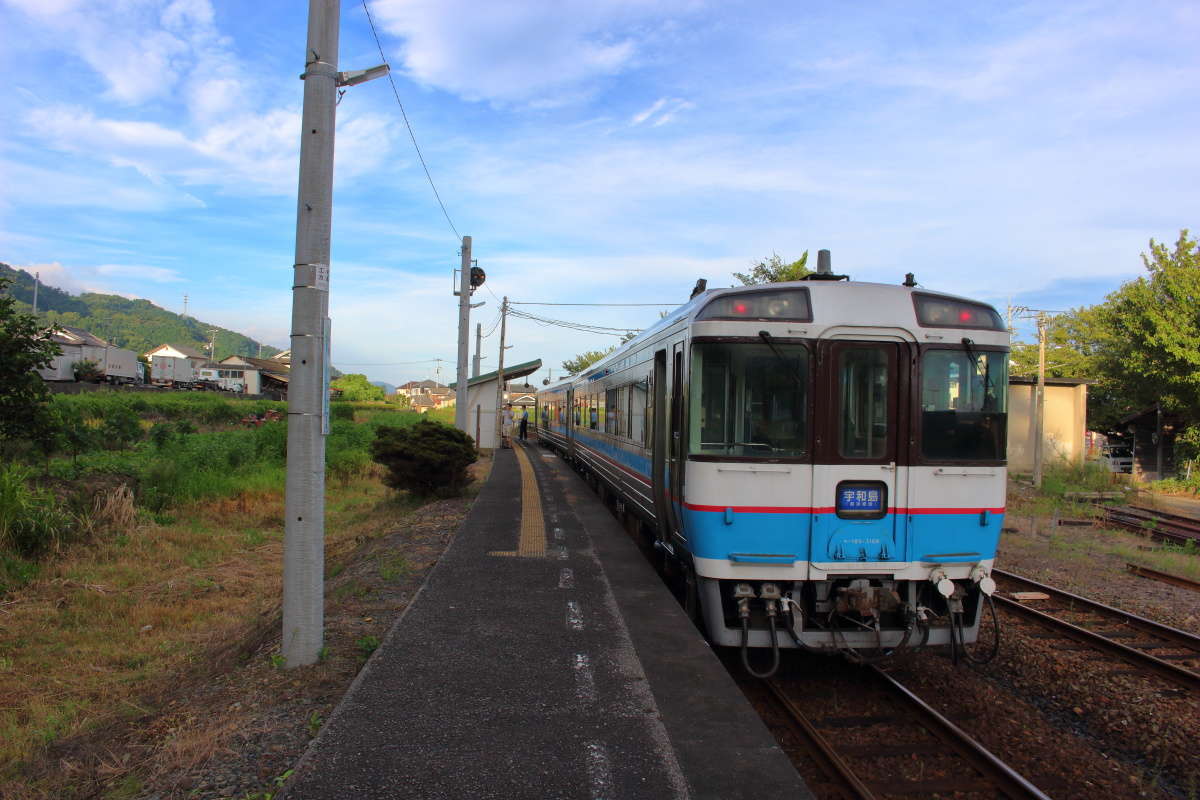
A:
(481, 402)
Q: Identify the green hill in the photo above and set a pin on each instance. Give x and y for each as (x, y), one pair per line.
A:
(137, 325)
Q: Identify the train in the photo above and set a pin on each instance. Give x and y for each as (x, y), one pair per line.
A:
(821, 462)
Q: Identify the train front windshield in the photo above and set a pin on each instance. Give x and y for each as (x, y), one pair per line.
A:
(749, 399)
(964, 405)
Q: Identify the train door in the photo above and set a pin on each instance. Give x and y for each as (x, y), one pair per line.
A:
(859, 482)
(676, 454)
(660, 435)
(569, 421)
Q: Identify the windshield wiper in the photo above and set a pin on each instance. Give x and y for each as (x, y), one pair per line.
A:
(766, 337)
(973, 354)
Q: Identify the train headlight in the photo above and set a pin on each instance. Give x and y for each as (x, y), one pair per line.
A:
(790, 305)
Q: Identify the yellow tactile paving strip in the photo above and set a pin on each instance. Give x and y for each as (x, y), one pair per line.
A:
(532, 543)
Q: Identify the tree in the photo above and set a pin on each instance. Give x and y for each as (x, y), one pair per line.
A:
(357, 389)
(427, 458)
(579, 363)
(774, 270)
(25, 347)
(1147, 333)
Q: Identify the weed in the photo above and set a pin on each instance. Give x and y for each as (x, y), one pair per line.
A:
(392, 567)
(31, 521)
(323, 653)
(254, 537)
(367, 645)
(277, 660)
(315, 721)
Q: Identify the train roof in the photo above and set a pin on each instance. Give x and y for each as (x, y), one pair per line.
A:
(816, 288)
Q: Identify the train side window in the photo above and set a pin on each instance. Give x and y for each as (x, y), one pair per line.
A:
(863, 391)
(612, 408)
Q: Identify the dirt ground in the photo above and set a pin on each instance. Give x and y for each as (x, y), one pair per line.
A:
(234, 723)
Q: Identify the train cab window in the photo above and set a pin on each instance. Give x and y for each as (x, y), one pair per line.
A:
(863, 392)
(749, 400)
(964, 396)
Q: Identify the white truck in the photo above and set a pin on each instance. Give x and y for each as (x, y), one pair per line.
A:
(171, 371)
(121, 366)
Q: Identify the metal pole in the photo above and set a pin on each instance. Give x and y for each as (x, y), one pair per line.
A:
(478, 342)
(304, 525)
(500, 375)
(464, 334)
(1039, 400)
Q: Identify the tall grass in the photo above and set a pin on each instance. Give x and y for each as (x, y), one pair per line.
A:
(199, 407)
(31, 521)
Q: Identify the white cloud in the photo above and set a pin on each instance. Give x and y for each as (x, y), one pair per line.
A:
(140, 272)
(520, 51)
(662, 111)
(73, 279)
(246, 154)
(67, 187)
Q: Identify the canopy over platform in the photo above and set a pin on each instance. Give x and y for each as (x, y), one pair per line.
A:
(481, 401)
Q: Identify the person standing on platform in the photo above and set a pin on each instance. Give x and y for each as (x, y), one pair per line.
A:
(524, 423)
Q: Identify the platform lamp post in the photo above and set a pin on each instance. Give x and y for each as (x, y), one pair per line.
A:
(308, 392)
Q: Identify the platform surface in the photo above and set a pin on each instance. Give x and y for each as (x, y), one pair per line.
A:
(543, 658)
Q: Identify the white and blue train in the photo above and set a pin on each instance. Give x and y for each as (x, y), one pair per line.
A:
(823, 461)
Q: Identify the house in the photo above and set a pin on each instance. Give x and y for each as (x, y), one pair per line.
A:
(116, 364)
(482, 414)
(270, 375)
(1150, 435)
(1063, 432)
(232, 377)
(172, 364)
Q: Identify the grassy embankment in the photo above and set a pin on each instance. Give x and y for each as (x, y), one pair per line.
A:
(155, 541)
(1055, 502)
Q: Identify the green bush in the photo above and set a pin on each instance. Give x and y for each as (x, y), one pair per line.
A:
(31, 522)
(427, 458)
(341, 411)
(121, 428)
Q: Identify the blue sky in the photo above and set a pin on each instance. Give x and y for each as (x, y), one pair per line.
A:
(596, 152)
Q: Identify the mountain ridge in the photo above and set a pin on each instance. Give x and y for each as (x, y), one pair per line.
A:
(137, 325)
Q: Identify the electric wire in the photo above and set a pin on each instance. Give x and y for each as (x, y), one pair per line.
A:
(389, 363)
(578, 326)
(408, 125)
(611, 305)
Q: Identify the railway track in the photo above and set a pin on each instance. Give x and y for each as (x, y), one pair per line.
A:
(900, 747)
(1164, 651)
(1160, 525)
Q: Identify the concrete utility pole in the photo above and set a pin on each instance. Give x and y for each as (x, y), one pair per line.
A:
(464, 333)
(185, 299)
(37, 278)
(478, 342)
(308, 391)
(500, 375)
(1039, 402)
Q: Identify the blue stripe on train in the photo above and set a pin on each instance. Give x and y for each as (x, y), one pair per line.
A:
(947, 538)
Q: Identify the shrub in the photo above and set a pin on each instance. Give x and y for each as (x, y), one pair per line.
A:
(87, 371)
(121, 427)
(31, 521)
(161, 434)
(427, 458)
(341, 411)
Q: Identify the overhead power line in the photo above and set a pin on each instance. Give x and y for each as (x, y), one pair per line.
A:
(613, 305)
(578, 326)
(388, 364)
(411, 135)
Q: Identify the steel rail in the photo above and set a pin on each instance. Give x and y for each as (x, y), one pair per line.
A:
(989, 767)
(1009, 781)
(833, 763)
(1170, 516)
(1165, 577)
(1179, 531)
(1137, 658)
(1165, 632)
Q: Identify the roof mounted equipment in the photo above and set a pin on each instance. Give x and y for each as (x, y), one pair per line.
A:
(824, 269)
(701, 285)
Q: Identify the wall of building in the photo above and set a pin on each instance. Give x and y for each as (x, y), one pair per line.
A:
(1063, 433)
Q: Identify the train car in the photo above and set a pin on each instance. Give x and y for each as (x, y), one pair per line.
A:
(823, 460)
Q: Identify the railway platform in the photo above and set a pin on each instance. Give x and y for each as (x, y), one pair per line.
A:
(543, 658)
